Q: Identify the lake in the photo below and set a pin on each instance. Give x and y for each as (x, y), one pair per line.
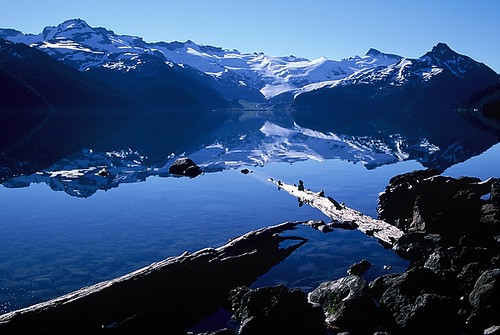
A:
(52, 243)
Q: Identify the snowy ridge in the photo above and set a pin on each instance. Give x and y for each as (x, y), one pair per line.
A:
(83, 47)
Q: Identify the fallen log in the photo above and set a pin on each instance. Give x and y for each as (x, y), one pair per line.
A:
(164, 297)
(343, 216)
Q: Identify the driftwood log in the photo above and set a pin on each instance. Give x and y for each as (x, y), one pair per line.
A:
(164, 297)
(343, 216)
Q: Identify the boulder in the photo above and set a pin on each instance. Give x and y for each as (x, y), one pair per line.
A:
(416, 304)
(185, 167)
(422, 201)
(347, 304)
(416, 246)
(276, 310)
(358, 269)
(485, 299)
(379, 285)
(245, 171)
(495, 193)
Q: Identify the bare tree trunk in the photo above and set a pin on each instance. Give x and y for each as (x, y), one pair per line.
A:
(164, 297)
(343, 216)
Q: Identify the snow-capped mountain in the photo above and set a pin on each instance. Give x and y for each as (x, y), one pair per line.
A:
(160, 97)
(83, 47)
(418, 96)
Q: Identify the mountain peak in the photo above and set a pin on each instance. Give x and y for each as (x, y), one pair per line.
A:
(441, 51)
(76, 24)
(441, 47)
(376, 53)
(373, 52)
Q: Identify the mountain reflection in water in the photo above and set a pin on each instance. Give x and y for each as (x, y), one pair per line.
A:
(254, 142)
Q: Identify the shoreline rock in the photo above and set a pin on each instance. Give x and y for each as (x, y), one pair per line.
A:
(452, 286)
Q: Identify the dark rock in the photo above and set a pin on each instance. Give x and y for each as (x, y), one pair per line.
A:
(347, 304)
(398, 199)
(416, 246)
(442, 259)
(379, 285)
(245, 171)
(415, 303)
(495, 193)
(490, 216)
(359, 268)
(276, 310)
(301, 185)
(422, 202)
(468, 276)
(103, 173)
(185, 167)
(485, 299)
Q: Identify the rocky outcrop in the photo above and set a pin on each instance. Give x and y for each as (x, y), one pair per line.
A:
(185, 167)
(347, 304)
(450, 231)
(276, 310)
(423, 201)
(452, 238)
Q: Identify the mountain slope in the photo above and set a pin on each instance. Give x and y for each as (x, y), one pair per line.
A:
(49, 110)
(414, 97)
(412, 92)
(248, 76)
(38, 92)
(484, 107)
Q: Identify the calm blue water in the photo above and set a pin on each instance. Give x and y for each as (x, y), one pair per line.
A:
(51, 243)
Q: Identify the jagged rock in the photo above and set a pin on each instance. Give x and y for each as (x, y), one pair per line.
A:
(417, 305)
(379, 285)
(485, 299)
(347, 304)
(416, 246)
(422, 201)
(495, 193)
(398, 199)
(359, 268)
(185, 167)
(276, 310)
(441, 260)
(468, 276)
(490, 216)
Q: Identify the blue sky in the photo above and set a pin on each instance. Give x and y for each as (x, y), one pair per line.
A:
(306, 28)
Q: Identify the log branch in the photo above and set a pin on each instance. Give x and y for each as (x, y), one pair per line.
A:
(343, 216)
(164, 297)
